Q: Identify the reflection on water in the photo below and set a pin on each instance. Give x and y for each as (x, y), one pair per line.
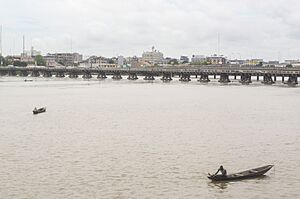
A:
(122, 139)
(218, 185)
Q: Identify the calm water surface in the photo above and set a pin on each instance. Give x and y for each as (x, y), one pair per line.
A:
(122, 139)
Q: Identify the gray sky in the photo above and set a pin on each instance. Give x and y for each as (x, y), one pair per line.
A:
(268, 29)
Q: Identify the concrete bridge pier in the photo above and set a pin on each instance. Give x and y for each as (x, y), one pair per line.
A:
(12, 73)
(35, 73)
(257, 78)
(282, 79)
(215, 76)
(60, 74)
(3, 73)
(23, 74)
(204, 78)
(73, 75)
(87, 75)
(292, 81)
(185, 77)
(132, 76)
(245, 79)
(167, 77)
(268, 79)
(224, 78)
(275, 78)
(47, 74)
(101, 76)
(117, 76)
(149, 77)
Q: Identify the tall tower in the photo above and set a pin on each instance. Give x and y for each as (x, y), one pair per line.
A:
(1, 40)
(218, 43)
(23, 45)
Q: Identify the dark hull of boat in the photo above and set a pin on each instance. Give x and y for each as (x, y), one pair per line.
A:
(252, 173)
(41, 110)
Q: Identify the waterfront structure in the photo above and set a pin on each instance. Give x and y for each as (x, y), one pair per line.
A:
(67, 59)
(225, 73)
(153, 56)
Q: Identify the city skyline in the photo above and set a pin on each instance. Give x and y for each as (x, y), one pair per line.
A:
(248, 29)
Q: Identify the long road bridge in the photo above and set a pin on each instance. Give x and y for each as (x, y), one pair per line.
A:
(203, 73)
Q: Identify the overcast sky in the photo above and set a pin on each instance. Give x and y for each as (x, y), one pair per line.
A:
(268, 29)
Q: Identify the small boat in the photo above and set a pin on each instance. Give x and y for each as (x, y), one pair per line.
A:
(40, 110)
(28, 80)
(252, 173)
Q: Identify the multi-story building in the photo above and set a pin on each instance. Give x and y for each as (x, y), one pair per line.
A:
(67, 59)
(153, 56)
(184, 59)
(121, 61)
(198, 59)
(254, 62)
(50, 61)
(95, 62)
(292, 61)
(216, 60)
(237, 62)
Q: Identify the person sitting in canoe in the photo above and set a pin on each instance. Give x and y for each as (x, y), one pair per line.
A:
(222, 170)
(35, 109)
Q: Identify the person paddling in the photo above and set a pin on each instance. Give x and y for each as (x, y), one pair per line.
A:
(222, 170)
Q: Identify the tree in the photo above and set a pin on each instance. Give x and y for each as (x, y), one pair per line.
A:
(289, 66)
(40, 60)
(110, 61)
(173, 62)
(19, 63)
(2, 61)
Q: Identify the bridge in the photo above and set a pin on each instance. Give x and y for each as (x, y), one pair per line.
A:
(224, 73)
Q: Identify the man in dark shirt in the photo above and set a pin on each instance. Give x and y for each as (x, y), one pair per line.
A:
(222, 170)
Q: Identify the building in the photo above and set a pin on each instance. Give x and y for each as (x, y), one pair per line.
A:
(28, 59)
(96, 62)
(292, 61)
(67, 59)
(121, 61)
(254, 62)
(272, 64)
(217, 60)
(237, 62)
(33, 52)
(50, 61)
(184, 59)
(153, 56)
(198, 59)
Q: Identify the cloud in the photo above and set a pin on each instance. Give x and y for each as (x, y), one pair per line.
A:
(176, 27)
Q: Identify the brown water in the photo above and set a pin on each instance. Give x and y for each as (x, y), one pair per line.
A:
(122, 139)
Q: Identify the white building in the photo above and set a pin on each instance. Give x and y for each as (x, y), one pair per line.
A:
(153, 57)
(217, 60)
(121, 61)
(67, 59)
(97, 62)
(198, 59)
